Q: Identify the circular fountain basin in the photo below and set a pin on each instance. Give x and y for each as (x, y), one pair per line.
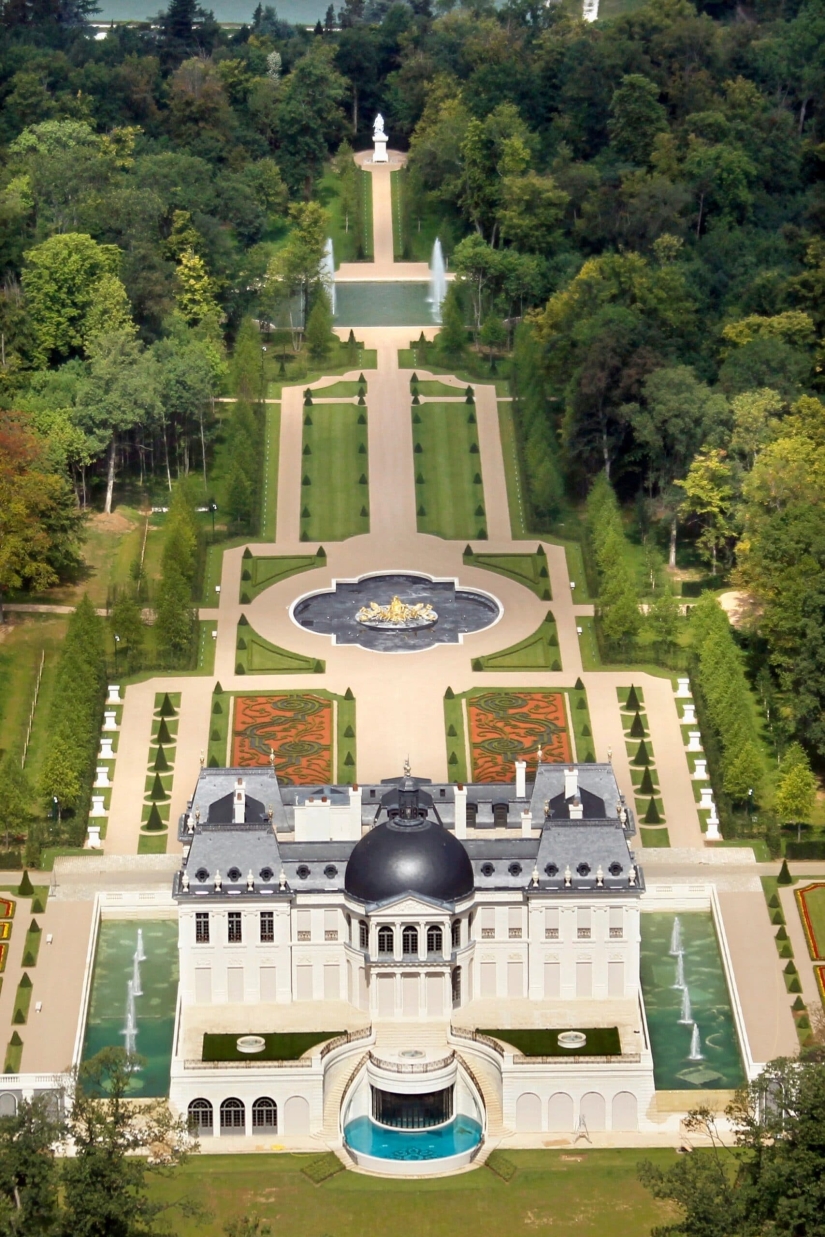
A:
(572, 1039)
(411, 1153)
(333, 612)
(250, 1043)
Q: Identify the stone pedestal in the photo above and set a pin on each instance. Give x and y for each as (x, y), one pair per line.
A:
(102, 779)
(93, 838)
(682, 688)
(97, 806)
(105, 752)
(707, 799)
(700, 774)
(114, 694)
(379, 139)
(694, 741)
(689, 715)
(109, 722)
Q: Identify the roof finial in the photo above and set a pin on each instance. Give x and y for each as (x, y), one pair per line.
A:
(271, 757)
(407, 767)
(539, 755)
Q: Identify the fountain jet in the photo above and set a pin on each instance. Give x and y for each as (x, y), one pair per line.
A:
(686, 1018)
(130, 1029)
(438, 280)
(328, 273)
(141, 952)
(696, 1053)
(676, 944)
(137, 987)
(680, 971)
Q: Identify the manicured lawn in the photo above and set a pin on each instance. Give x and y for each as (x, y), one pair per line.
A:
(811, 903)
(272, 447)
(152, 843)
(437, 390)
(280, 1046)
(301, 368)
(538, 652)
(449, 492)
(335, 493)
(339, 390)
(656, 838)
(469, 369)
(601, 1042)
(527, 569)
(259, 573)
(569, 1193)
(22, 641)
(345, 240)
(206, 646)
(413, 238)
(515, 497)
(255, 655)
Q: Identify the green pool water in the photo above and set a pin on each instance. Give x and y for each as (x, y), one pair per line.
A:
(382, 304)
(711, 1010)
(155, 1009)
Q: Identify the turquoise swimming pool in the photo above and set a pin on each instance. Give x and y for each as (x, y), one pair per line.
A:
(461, 1135)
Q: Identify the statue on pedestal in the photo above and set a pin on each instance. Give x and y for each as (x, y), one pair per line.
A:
(380, 140)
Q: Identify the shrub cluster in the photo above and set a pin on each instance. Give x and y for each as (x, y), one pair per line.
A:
(724, 706)
(75, 718)
(544, 484)
(242, 432)
(175, 622)
(618, 616)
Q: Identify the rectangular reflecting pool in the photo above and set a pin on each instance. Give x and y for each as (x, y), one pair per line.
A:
(383, 304)
(154, 1005)
(689, 1012)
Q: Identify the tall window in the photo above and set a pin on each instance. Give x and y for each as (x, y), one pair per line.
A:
(456, 933)
(234, 927)
(363, 934)
(435, 940)
(385, 941)
(267, 927)
(265, 1115)
(200, 1117)
(456, 985)
(409, 940)
(202, 927)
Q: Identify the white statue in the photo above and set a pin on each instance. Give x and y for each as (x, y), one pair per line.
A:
(380, 139)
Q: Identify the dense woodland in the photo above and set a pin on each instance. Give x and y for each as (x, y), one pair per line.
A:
(634, 209)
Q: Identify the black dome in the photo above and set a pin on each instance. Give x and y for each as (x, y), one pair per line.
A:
(410, 857)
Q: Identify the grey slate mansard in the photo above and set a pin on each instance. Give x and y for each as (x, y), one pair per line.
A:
(244, 835)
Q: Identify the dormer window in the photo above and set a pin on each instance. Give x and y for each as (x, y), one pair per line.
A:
(551, 870)
(266, 874)
(202, 875)
(302, 871)
(583, 869)
(234, 875)
(514, 869)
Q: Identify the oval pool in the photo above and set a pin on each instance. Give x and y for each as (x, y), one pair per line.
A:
(408, 1152)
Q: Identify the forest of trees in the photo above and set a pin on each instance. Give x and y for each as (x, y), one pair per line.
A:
(635, 206)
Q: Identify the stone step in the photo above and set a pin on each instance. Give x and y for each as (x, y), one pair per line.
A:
(338, 1078)
(489, 1083)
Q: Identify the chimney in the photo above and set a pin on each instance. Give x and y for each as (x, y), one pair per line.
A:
(571, 783)
(460, 811)
(521, 779)
(239, 804)
(355, 796)
(576, 808)
(527, 823)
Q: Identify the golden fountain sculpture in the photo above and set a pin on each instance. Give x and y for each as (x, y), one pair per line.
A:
(397, 614)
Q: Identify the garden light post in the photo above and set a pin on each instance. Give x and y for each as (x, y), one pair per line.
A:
(213, 507)
(117, 646)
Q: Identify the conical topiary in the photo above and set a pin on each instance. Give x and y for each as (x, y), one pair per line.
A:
(213, 762)
(416, 418)
(581, 703)
(164, 735)
(306, 479)
(422, 510)
(161, 764)
(416, 400)
(217, 707)
(320, 552)
(307, 398)
(307, 449)
(349, 733)
(243, 621)
(578, 685)
(642, 756)
(217, 690)
(155, 823)
(15, 1039)
(473, 448)
(784, 877)
(452, 733)
(480, 510)
(361, 400)
(362, 380)
(632, 702)
(589, 758)
(348, 760)
(782, 934)
(307, 419)
(453, 759)
(637, 729)
(167, 709)
(241, 644)
(652, 816)
(477, 664)
(348, 694)
(586, 732)
(471, 419)
(468, 551)
(414, 378)
(158, 793)
(646, 784)
(25, 888)
(449, 694)
(364, 513)
(362, 420)
(477, 479)
(469, 395)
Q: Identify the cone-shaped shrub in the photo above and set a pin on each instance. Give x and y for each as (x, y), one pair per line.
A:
(25, 888)
(581, 703)
(451, 731)
(15, 1039)
(477, 479)
(652, 816)
(453, 759)
(782, 934)
(586, 732)
(155, 824)
(362, 380)
(646, 784)
(589, 758)
(246, 574)
(161, 764)
(241, 644)
(784, 877)
(578, 685)
(320, 552)
(307, 449)
(158, 794)
(449, 694)
(164, 735)
(642, 756)
(348, 760)
(798, 1005)
(217, 707)
(416, 400)
(348, 694)
(364, 512)
(362, 420)
(361, 400)
(637, 730)
(167, 709)
(307, 419)
(414, 378)
(213, 762)
(632, 702)
(477, 664)
(349, 733)
(482, 534)
(306, 479)
(471, 419)
(479, 510)
(422, 510)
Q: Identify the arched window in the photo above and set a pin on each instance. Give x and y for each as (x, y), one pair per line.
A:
(363, 934)
(385, 941)
(456, 985)
(409, 940)
(200, 1117)
(456, 933)
(435, 940)
(265, 1115)
(233, 1117)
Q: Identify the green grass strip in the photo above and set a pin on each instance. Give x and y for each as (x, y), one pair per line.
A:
(279, 1046)
(335, 472)
(261, 572)
(601, 1042)
(432, 387)
(338, 390)
(14, 1055)
(449, 499)
(537, 652)
(22, 1000)
(498, 1163)
(657, 839)
(152, 843)
(527, 569)
(255, 655)
(347, 754)
(456, 745)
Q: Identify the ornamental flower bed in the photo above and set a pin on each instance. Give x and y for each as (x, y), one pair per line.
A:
(297, 726)
(6, 908)
(507, 726)
(811, 903)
